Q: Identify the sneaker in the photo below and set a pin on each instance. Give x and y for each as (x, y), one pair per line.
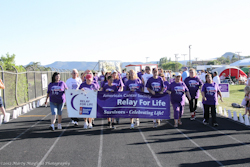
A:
(76, 123)
(137, 122)
(205, 123)
(155, 125)
(73, 122)
(52, 127)
(90, 126)
(59, 126)
(85, 126)
(176, 125)
(215, 124)
(132, 126)
(192, 117)
(179, 122)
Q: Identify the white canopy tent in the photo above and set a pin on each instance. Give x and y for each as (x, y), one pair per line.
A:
(244, 62)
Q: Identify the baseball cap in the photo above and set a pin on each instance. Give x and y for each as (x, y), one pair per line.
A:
(114, 71)
(177, 74)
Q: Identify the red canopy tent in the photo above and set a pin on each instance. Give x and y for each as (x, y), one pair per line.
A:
(232, 71)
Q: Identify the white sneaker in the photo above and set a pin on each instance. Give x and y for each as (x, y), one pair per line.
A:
(90, 126)
(73, 122)
(137, 122)
(76, 123)
(155, 125)
(132, 126)
(52, 127)
(59, 126)
(85, 125)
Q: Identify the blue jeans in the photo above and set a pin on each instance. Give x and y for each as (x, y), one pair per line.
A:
(56, 108)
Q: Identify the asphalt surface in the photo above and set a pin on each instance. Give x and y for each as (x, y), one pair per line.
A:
(27, 141)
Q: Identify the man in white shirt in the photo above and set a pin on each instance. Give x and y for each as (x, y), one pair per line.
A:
(145, 78)
(203, 76)
(74, 83)
(123, 74)
(216, 78)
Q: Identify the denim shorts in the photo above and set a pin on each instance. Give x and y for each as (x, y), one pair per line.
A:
(56, 108)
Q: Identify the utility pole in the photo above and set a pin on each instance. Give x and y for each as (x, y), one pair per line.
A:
(190, 56)
(238, 54)
(176, 59)
(184, 58)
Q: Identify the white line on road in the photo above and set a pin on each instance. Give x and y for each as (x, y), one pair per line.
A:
(101, 145)
(51, 148)
(218, 162)
(226, 134)
(153, 153)
(23, 133)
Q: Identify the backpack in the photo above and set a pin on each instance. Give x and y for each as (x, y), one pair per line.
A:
(236, 105)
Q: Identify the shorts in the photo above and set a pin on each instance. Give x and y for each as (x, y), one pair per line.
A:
(56, 108)
(1, 101)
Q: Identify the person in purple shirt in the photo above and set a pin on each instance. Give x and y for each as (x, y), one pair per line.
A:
(155, 86)
(94, 81)
(210, 91)
(88, 85)
(105, 82)
(102, 77)
(165, 83)
(134, 84)
(110, 88)
(193, 84)
(139, 74)
(118, 82)
(56, 96)
(178, 89)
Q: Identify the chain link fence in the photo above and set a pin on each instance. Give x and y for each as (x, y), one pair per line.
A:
(26, 86)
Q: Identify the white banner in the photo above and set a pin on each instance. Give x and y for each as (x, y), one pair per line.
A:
(81, 104)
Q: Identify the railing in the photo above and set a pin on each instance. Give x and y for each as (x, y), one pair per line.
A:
(24, 87)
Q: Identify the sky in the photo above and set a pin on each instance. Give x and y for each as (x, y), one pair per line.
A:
(46, 31)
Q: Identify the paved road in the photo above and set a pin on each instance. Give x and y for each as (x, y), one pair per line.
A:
(26, 141)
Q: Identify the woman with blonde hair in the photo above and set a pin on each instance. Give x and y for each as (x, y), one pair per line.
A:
(193, 83)
(133, 84)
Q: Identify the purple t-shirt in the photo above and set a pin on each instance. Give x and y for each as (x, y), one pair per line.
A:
(118, 83)
(155, 84)
(193, 85)
(95, 78)
(85, 86)
(166, 85)
(133, 84)
(211, 93)
(124, 80)
(101, 78)
(56, 92)
(97, 85)
(178, 92)
(107, 88)
(139, 74)
(103, 83)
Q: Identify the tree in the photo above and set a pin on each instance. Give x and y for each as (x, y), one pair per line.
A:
(8, 61)
(234, 59)
(213, 62)
(174, 66)
(162, 61)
